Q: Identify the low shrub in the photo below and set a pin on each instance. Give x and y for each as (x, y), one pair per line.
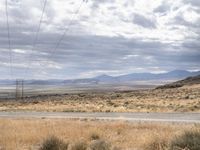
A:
(190, 140)
(80, 145)
(99, 145)
(53, 143)
(94, 136)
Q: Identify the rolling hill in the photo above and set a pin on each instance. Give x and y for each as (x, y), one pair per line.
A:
(188, 81)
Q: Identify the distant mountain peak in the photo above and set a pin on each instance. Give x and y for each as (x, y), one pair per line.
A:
(104, 76)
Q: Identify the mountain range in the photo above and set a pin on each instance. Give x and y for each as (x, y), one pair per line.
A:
(106, 79)
(173, 75)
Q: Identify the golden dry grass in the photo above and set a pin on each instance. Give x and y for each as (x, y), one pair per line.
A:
(184, 99)
(27, 134)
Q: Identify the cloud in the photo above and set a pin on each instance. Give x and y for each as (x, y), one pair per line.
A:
(192, 2)
(105, 37)
(19, 51)
(143, 21)
(163, 8)
(97, 3)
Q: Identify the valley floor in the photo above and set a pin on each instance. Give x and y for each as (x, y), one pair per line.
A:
(184, 99)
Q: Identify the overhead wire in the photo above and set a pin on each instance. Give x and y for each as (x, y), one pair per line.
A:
(36, 37)
(9, 41)
(60, 39)
(66, 29)
(52, 52)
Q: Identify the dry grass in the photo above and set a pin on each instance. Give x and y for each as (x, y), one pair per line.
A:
(28, 134)
(184, 99)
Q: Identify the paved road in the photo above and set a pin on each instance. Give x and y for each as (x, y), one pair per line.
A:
(150, 117)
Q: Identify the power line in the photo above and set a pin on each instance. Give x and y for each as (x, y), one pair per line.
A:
(65, 31)
(36, 36)
(8, 36)
(41, 18)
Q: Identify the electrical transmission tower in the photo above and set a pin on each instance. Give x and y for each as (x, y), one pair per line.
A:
(19, 94)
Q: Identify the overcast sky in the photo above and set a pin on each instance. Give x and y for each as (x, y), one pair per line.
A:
(105, 37)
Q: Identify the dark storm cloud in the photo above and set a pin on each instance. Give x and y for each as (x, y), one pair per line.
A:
(98, 52)
(192, 45)
(102, 53)
(143, 21)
